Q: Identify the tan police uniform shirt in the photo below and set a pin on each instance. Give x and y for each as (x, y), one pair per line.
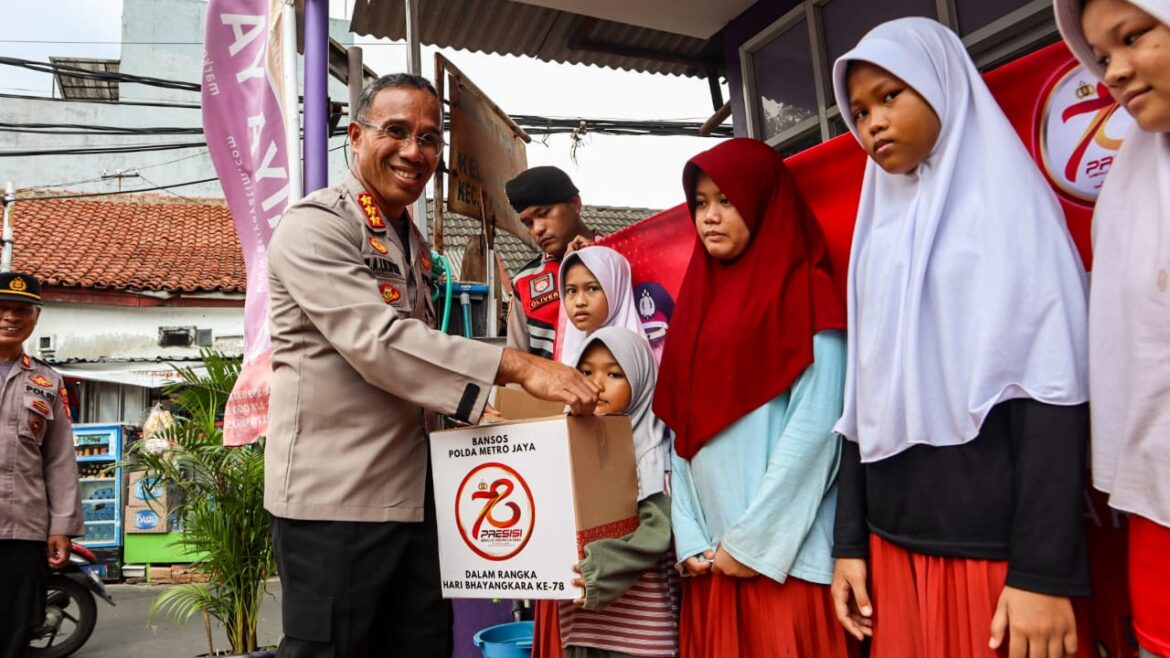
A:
(356, 360)
(39, 491)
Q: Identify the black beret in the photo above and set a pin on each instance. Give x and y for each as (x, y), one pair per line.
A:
(539, 186)
(19, 287)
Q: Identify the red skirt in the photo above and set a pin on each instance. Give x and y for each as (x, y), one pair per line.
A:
(546, 634)
(936, 607)
(1149, 583)
(724, 617)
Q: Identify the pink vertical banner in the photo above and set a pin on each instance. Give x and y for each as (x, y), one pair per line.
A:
(244, 127)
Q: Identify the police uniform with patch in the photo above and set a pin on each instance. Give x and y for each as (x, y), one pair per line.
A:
(39, 489)
(356, 363)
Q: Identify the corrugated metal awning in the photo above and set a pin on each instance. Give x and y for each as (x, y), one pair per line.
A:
(506, 27)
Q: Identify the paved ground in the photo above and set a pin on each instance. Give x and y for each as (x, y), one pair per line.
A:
(123, 632)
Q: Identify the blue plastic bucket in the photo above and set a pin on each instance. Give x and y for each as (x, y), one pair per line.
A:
(511, 640)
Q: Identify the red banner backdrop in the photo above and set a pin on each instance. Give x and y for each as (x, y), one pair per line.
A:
(1073, 129)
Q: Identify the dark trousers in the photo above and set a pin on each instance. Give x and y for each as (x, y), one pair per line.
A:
(361, 590)
(24, 575)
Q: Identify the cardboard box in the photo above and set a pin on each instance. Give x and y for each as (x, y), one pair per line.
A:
(517, 404)
(517, 502)
(151, 492)
(144, 520)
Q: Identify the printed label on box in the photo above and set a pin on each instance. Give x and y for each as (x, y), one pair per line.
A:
(506, 520)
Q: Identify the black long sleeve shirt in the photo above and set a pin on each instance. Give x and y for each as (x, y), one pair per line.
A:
(1015, 493)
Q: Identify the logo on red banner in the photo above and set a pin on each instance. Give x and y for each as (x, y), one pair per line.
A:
(1081, 129)
(495, 511)
(41, 406)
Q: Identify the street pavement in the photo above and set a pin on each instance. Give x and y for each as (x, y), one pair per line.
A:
(123, 631)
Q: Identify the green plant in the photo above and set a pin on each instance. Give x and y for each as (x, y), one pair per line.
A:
(221, 504)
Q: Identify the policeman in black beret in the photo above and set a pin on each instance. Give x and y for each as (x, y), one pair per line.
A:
(549, 206)
(41, 509)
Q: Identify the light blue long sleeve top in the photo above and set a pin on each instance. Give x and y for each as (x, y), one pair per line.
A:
(765, 488)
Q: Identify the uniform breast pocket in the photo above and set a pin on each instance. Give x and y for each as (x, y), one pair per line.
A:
(35, 414)
(393, 290)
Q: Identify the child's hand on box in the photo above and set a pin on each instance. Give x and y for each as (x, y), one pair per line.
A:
(580, 583)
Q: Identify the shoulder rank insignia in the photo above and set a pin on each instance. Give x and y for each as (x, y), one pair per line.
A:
(64, 393)
(25, 361)
(390, 294)
(370, 208)
(41, 380)
(378, 246)
(41, 406)
(36, 424)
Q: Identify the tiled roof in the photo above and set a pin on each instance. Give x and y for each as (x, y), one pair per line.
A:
(168, 244)
(459, 229)
(134, 243)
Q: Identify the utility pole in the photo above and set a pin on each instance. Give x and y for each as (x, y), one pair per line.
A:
(119, 174)
(6, 256)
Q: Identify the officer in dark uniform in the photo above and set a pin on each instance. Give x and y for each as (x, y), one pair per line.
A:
(40, 498)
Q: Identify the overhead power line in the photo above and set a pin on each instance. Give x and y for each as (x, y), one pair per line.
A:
(88, 74)
(85, 195)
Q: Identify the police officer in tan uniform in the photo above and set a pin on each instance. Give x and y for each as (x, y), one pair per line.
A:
(357, 363)
(40, 498)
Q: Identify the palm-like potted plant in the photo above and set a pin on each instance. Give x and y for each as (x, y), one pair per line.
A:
(221, 505)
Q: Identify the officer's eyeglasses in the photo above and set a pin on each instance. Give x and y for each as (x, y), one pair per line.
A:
(430, 143)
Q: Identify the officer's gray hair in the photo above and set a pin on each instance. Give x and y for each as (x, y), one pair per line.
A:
(391, 81)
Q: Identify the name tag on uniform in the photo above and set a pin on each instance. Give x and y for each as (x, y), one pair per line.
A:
(383, 265)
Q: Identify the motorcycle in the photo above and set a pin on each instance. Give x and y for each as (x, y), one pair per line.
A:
(70, 608)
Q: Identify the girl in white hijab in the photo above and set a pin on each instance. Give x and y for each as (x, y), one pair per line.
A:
(962, 472)
(596, 291)
(1127, 45)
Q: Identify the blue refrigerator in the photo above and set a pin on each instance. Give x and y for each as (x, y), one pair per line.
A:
(99, 457)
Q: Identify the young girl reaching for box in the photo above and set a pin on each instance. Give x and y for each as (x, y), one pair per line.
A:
(751, 383)
(958, 529)
(1127, 45)
(630, 601)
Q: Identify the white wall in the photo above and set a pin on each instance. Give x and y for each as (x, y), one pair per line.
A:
(90, 332)
(162, 39)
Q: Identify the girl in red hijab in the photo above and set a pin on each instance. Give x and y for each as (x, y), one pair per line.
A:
(751, 382)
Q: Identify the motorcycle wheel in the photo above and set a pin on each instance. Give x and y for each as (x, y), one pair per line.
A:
(78, 618)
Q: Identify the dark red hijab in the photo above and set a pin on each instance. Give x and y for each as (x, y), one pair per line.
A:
(742, 330)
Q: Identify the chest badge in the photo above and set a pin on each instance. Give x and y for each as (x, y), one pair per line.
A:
(540, 285)
(378, 246)
(41, 380)
(390, 294)
(41, 406)
(36, 424)
(373, 217)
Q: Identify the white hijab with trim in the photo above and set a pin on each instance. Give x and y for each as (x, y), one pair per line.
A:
(965, 288)
(633, 353)
(1129, 309)
(612, 271)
